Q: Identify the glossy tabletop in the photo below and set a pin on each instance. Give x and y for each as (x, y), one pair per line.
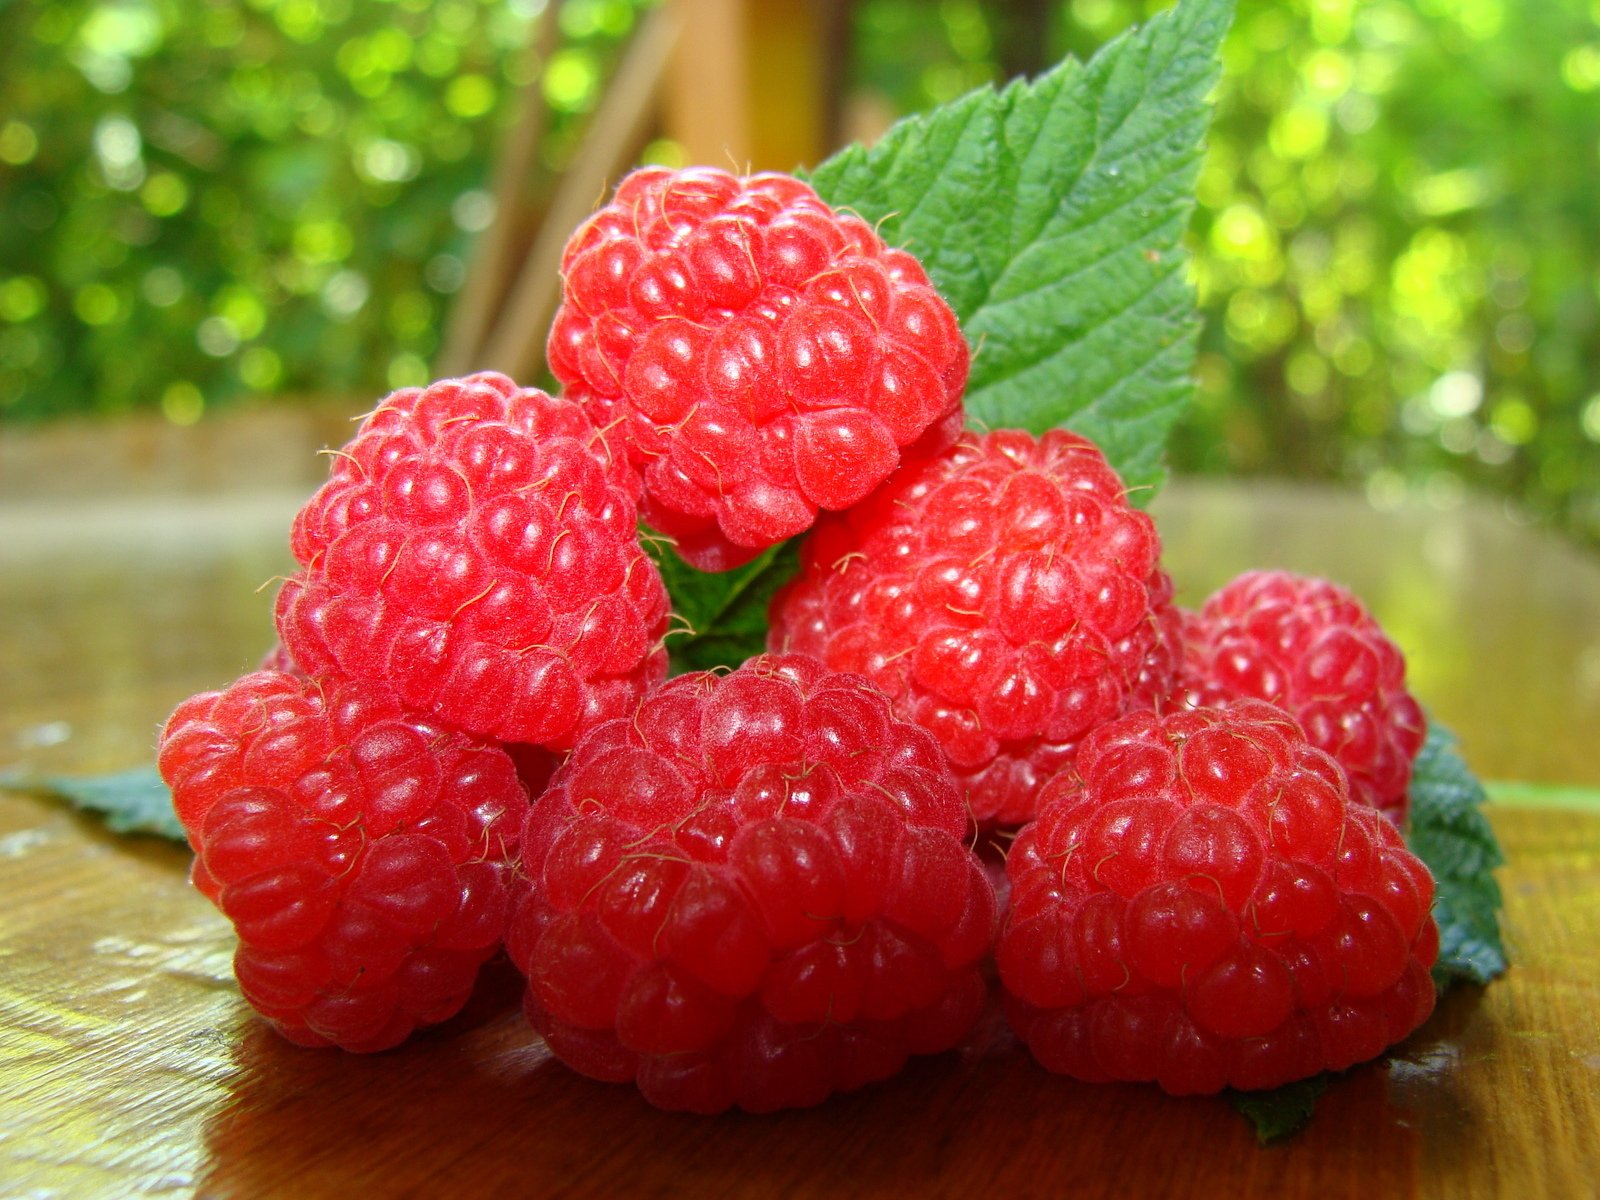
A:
(129, 1064)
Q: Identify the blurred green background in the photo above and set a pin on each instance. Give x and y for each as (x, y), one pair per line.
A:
(1397, 246)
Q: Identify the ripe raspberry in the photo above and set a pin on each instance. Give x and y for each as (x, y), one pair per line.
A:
(473, 550)
(277, 659)
(1201, 904)
(1309, 647)
(362, 853)
(535, 766)
(752, 892)
(764, 356)
(1004, 595)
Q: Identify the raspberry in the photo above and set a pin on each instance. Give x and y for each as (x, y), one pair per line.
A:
(1201, 904)
(277, 659)
(763, 355)
(1309, 647)
(1004, 595)
(535, 765)
(754, 892)
(474, 550)
(362, 853)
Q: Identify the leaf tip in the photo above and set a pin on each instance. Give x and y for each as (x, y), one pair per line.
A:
(1282, 1112)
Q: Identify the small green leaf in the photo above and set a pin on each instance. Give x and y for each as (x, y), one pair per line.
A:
(1450, 833)
(1282, 1111)
(133, 801)
(1050, 215)
(725, 613)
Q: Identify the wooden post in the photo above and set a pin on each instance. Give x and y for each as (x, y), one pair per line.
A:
(748, 88)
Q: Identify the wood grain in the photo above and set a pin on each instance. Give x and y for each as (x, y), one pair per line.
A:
(128, 1062)
(129, 1065)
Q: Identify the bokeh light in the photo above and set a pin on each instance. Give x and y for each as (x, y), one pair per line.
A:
(200, 203)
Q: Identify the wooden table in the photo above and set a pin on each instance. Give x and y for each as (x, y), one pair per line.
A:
(128, 1063)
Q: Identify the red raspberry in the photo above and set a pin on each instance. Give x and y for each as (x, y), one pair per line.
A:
(764, 355)
(362, 853)
(1309, 647)
(535, 766)
(473, 550)
(753, 892)
(1004, 595)
(277, 659)
(1201, 904)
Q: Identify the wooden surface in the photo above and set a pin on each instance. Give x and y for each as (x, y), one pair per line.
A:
(128, 1063)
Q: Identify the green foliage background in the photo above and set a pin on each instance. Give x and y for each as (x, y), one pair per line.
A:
(204, 199)
(1398, 241)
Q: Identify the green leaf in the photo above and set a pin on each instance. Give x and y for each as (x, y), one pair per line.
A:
(725, 613)
(1050, 215)
(1450, 833)
(133, 801)
(1282, 1111)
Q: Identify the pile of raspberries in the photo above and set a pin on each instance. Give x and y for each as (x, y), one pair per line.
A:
(757, 887)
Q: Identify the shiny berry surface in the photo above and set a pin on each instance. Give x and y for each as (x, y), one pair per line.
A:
(363, 853)
(763, 356)
(1004, 595)
(754, 891)
(1310, 647)
(1200, 904)
(475, 548)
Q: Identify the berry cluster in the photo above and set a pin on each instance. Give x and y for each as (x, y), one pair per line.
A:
(475, 548)
(1310, 647)
(762, 355)
(1004, 594)
(1201, 905)
(364, 854)
(757, 888)
(754, 891)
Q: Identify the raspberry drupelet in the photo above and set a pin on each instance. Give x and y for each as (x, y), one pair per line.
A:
(1310, 647)
(763, 355)
(1005, 596)
(362, 852)
(754, 891)
(476, 548)
(1200, 904)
